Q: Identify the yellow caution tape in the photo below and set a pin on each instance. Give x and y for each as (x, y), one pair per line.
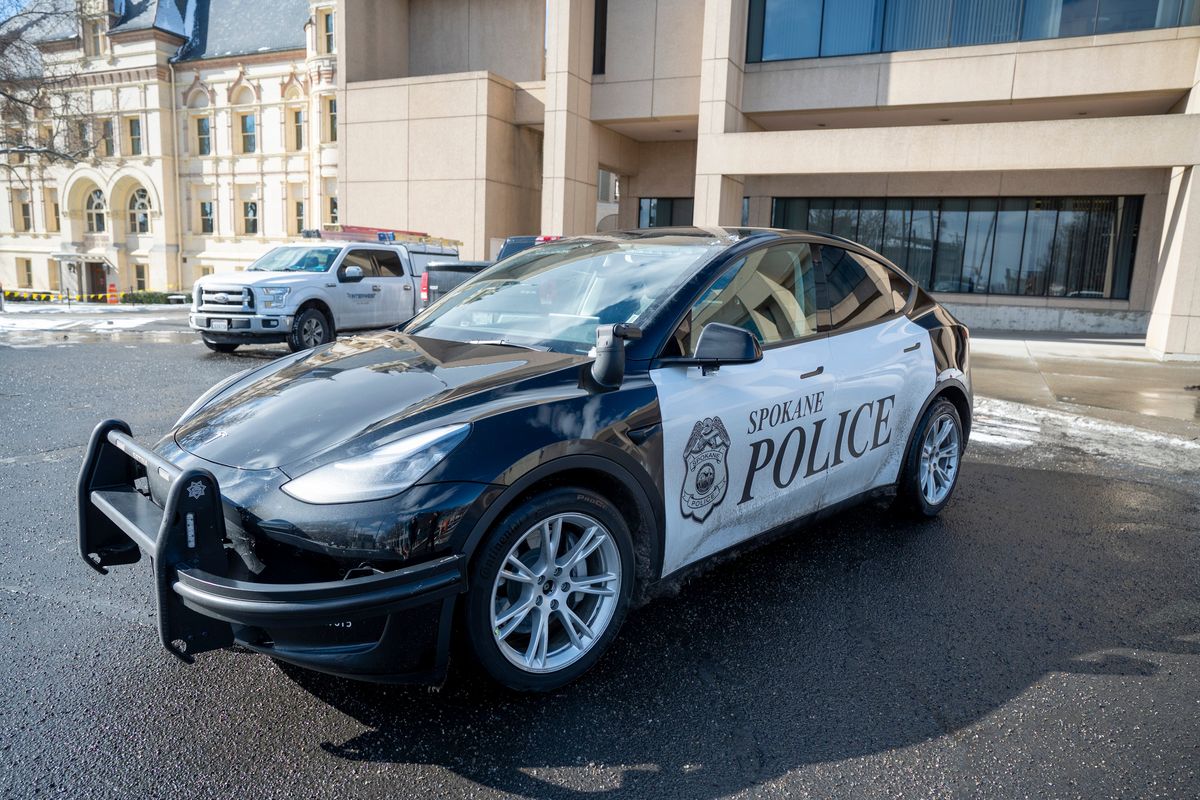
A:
(50, 296)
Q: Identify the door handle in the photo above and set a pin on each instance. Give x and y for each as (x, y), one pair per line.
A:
(375, 287)
(812, 374)
(407, 287)
(911, 348)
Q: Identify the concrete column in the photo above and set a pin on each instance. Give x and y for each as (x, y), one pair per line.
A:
(1174, 330)
(718, 196)
(569, 162)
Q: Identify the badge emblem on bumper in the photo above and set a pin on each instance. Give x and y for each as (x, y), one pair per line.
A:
(707, 475)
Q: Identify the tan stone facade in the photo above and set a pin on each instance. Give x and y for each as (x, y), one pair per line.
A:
(677, 112)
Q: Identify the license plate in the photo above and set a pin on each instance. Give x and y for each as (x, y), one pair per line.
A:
(218, 324)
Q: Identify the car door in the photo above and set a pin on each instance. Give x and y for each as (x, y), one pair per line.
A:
(397, 302)
(742, 445)
(885, 369)
(357, 302)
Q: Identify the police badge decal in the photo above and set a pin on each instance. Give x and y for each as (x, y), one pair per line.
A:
(707, 475)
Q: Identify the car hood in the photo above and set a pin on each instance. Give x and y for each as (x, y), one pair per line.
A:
(358, 391)
(259, 278)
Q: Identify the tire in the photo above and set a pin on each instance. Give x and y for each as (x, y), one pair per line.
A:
(923, 490)
(516, 605)
(310, 329)
(220, 347)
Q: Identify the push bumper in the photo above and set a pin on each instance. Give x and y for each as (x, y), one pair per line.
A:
(402, 616)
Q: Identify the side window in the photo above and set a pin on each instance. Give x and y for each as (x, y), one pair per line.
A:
(770, 292)
(359, 258)
(390, 265)
(859, 290)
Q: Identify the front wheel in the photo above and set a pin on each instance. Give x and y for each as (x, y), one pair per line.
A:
(550, 589)
(310, 328)
(931, 466)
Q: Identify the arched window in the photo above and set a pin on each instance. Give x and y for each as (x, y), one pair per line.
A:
(139, 212)
(95, 211)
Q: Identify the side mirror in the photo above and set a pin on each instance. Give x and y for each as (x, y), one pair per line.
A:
(722, 344)
(352, 275)
(608, 370)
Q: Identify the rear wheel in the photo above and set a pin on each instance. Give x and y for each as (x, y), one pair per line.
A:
(931, 466)
(550, 589)
(310, 328)
(220, 347)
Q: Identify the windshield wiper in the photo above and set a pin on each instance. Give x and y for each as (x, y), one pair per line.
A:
(507, 343)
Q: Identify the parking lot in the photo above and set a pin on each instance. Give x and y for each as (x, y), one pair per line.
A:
(1040, 638)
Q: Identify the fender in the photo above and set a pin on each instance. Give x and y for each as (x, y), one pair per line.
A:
(613, 463)
(940, 387)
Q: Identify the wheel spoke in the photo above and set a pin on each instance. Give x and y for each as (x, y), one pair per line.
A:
(594, 584)
(512, 618)
(574, 626)
(535, 653)
(591, 539)
(523, 574)
(551, 531)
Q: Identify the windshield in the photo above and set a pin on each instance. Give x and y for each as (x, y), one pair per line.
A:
(296, 259)
(552, 297)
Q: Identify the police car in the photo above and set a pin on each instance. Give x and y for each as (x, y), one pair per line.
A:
(529, 453)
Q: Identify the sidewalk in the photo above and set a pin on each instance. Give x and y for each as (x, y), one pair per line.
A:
(1109, 378)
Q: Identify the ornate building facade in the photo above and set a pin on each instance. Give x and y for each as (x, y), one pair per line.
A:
(211, 136)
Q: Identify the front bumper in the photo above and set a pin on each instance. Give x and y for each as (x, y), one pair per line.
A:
(388, 626)
(241, 327)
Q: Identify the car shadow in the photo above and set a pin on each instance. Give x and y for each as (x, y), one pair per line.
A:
(854, 637)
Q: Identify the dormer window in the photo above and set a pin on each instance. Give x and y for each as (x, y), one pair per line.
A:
(94, 42)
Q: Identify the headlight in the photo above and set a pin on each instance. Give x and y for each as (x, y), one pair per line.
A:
(273, 297)
(383, 472)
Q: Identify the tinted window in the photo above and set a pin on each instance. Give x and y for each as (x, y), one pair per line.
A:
(770, 292)
(359, 258)
(859, 290)
(390, 265)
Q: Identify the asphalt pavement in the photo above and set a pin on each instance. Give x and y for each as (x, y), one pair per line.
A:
(1041, 638)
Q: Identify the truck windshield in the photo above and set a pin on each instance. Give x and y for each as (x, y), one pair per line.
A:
(296, 259)
(553, 297)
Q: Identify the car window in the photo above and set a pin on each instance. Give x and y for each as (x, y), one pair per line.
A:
(389, 263)
(859, 290)
(359, 258)
(770, 292)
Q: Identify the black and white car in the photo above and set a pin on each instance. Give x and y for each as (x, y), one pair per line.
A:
(557, 434)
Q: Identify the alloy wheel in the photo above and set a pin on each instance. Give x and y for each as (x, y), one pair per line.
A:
(940, 454)
(312, 332)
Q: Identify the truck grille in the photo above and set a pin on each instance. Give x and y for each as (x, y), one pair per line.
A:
(226, 300)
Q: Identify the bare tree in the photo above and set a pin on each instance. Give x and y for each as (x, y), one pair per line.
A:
(42, 119)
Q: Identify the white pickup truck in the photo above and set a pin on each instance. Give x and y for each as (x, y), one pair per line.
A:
(304, 294)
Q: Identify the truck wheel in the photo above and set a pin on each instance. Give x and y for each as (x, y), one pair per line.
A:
(309, 329)
(219, 347)
(549, 589)
(931, 468)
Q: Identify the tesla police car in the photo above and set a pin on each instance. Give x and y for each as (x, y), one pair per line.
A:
(515, 463)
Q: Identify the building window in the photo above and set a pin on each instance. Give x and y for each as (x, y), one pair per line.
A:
(250, 217)
(15, 142)
(327, 37)
(297, 129)
(134, 126)
(206, 216)
(139, 212)
(83, 137)
(94, 212)
(333, 210)
(299, 217)
(247, 124)
(331, 132)
(662, 212)
(600, 38)
(139, 277)
(106, 138)
(789, 29)
(93, 38)
(52, 213)
(52, 279)
(22, 211)
(204, 136)
(1078, 247)
(25, 273)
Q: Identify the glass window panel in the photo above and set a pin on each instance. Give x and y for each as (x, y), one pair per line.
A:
(916, 24)
(1050, 19)
(1129, 216)
(645, 210)
(984, 21)
(1039, 246)
(895, 231)
(870, 223)
(858, 290)
(820, 215)
(851, 26)
(1190, 15)
(977, 250)
(845, 218)
(1136, 15)
(789, 212)
(1006, 255)
(951, 239)
(1094, 279)
(791, 29)
(1070, 244)
(921, 236)
(681, 211)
